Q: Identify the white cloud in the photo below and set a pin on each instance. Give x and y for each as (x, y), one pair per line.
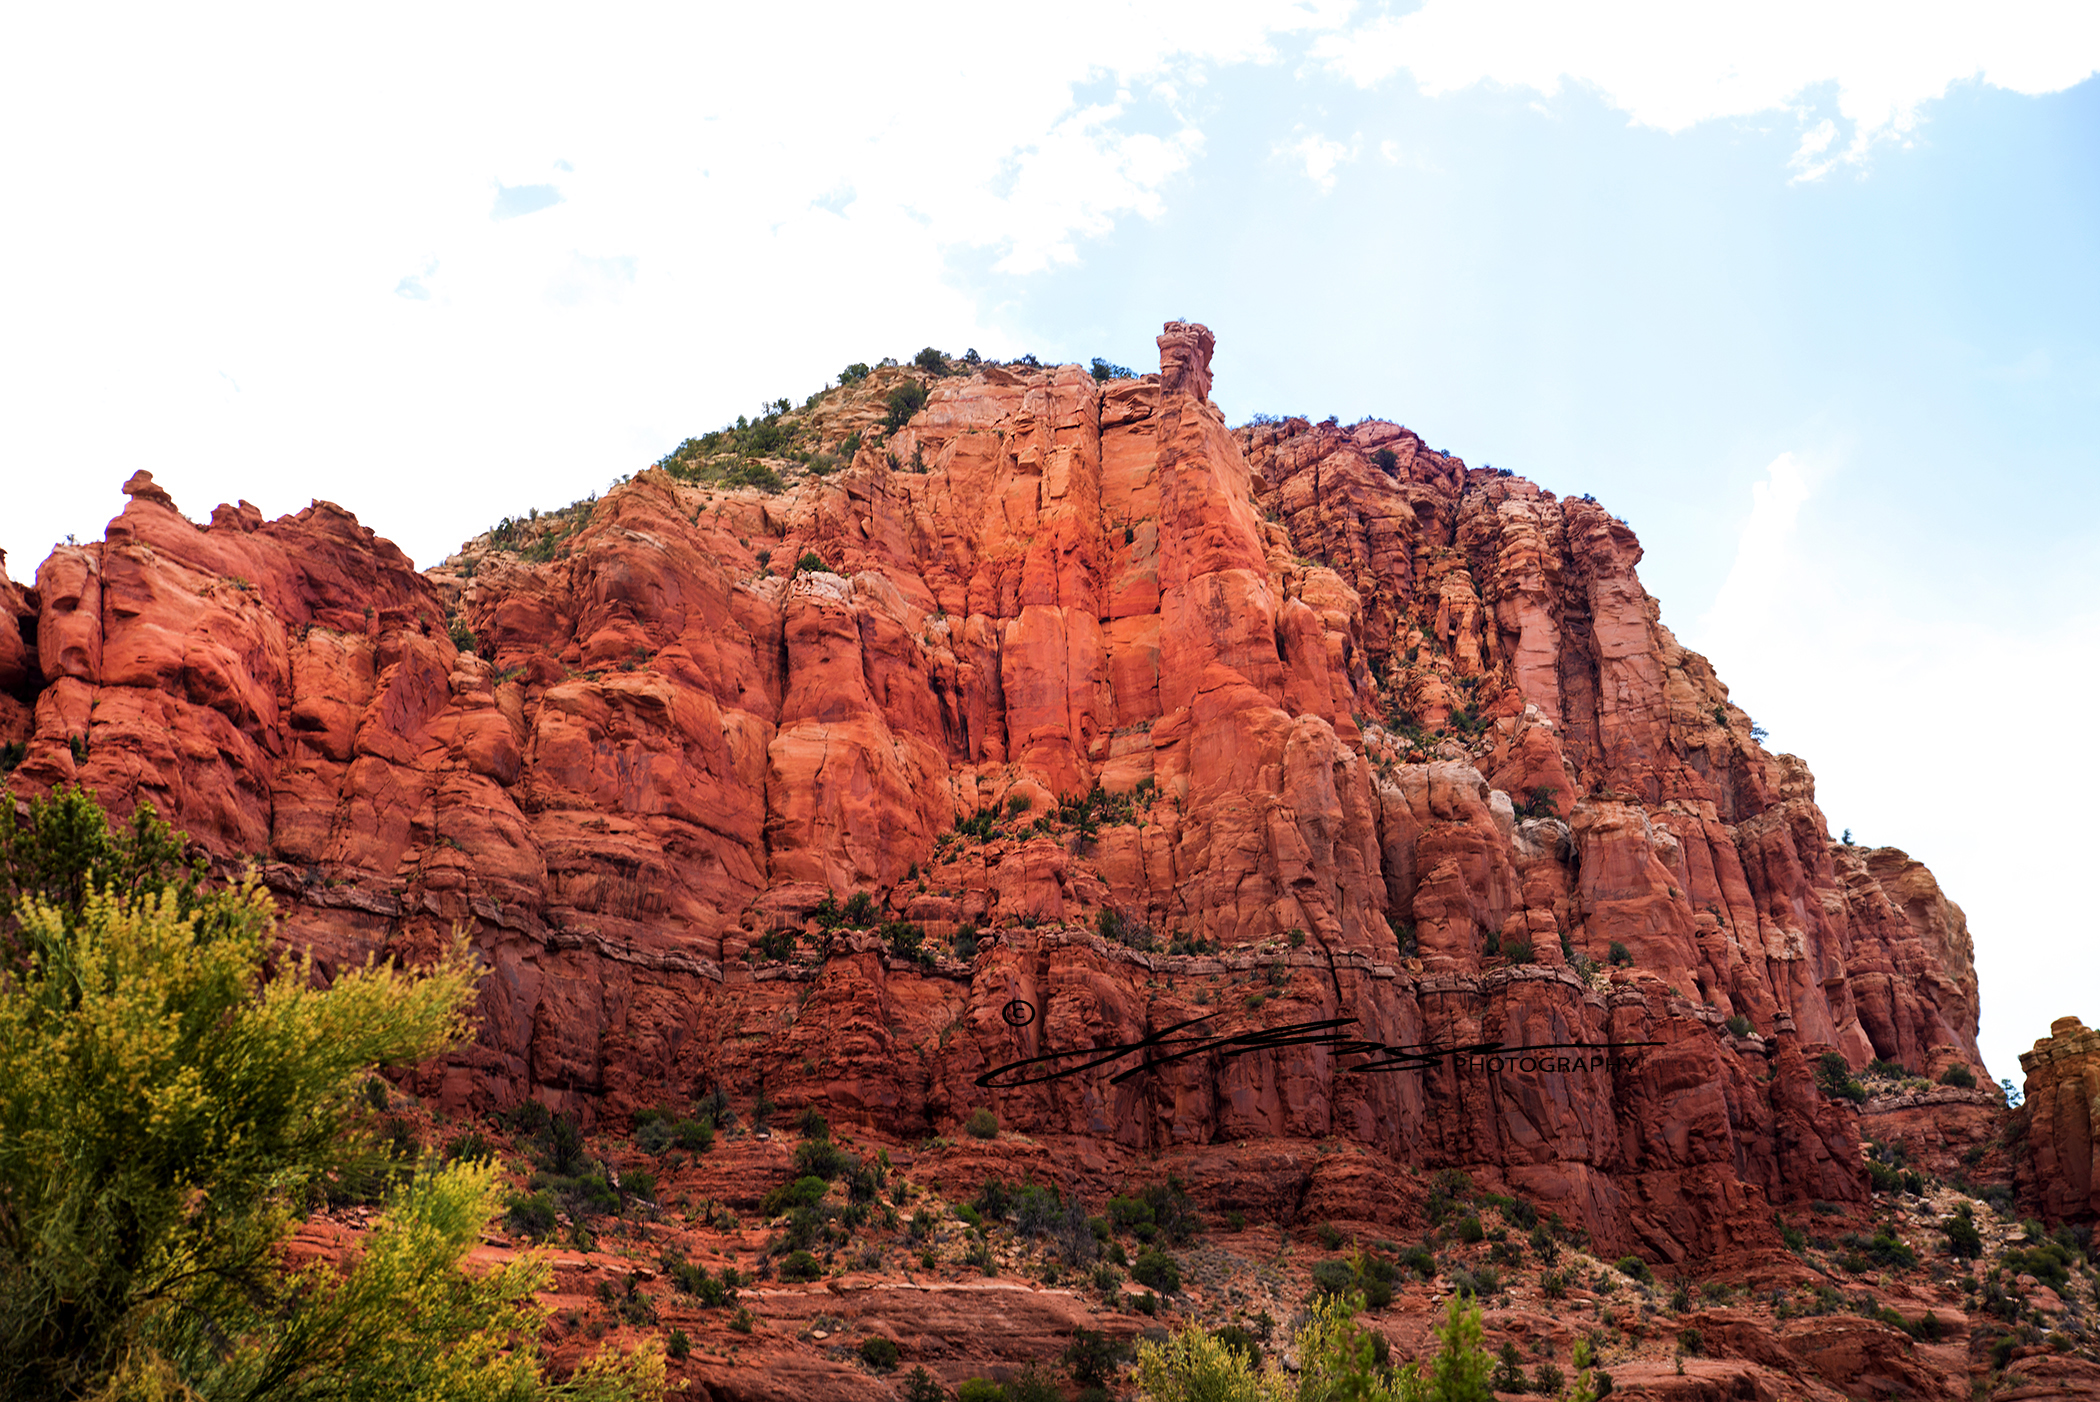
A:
(1320, 155)
(397, 239)
(1672, 65)
(1809, 160)
(1901, 704)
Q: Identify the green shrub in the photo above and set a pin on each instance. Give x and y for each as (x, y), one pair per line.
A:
(982, 1124)
(1469, 1229)
(879, 1353)
(921, 1386)
(1636, 1268)
(1509, 1370)
(903, 937)
(1619, 954)
(1480, 1281)
(853, 373)
(1332, 1277)
(813, 563)
(980, 1390)
(820, 1158)
(532, 1215)
(802, 1192)
(1964, 1242)
(639, 1183)
(933, 362)
(1834, 1075)
(471, 1147)
(754, 474)
(905, 400)
(678, 1346)
(1517, 949)
(1329, 1234)
(1156, 1269)
(1092, 1357)
(1105, 370)
(1958, 1075)
(1691, 1341)
(1739, 1026)
(800, 1265)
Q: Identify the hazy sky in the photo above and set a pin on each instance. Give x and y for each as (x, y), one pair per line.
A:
(1806, 292)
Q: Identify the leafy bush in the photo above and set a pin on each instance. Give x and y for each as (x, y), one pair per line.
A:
(878, 1352)
(1834, 1075)
(1636, 1268)
(813, 563)
(1619, 954)
(1108, 370)
(532, 1215)
(1092, 1357)
(802, 1192)
(1480, 1281)
(905, 400)
(982, 1124)
(754, 474)
(854, 373)
(1469, 1229)
(903, 937)
(1333, 1277)
(1387, 461)
(800, 1265)
(1958, 1075)
(1964, 1242)
(933, 362)
(820, 1158)
(1155, 1268)
(1518, 950)
(679, 1345)
(980, 1390)
(141, 1250)
(1691, 1340)
(1739, 1026)
(921, 1386)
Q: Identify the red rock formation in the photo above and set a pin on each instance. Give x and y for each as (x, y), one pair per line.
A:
(664, 747)
(2062, 1104)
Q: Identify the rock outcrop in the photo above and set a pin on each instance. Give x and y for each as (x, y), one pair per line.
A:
(2062, 1104)
(1356, 732)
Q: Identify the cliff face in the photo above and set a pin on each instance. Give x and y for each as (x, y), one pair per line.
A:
(1365, 722)
(2063, 1120)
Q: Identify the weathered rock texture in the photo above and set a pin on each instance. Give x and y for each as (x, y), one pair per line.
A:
(1348, 686)
(2062, 1102)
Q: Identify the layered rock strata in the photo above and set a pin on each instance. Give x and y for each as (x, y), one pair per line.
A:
(1387, 739)
(2062, 1103)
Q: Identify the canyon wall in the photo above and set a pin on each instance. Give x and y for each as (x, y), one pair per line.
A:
(1377, 737)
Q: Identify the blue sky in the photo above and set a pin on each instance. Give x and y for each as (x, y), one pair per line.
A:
(1807, 293)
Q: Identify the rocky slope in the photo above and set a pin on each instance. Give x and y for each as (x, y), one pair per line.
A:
(665, 750)
(1145, 718)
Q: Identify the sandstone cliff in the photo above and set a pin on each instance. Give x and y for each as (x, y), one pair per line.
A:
(1341, 727)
